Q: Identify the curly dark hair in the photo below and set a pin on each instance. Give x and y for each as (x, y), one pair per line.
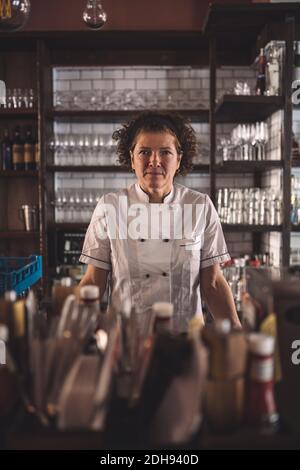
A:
(154, 121)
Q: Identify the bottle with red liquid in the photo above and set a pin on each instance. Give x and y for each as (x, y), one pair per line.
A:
(260, 87)
(260, 406)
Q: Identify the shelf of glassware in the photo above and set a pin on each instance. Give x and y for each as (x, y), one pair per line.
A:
(6, 113)
(247, 166)
(199, 168)
(251, 228)
(246, 108)
(81, 116)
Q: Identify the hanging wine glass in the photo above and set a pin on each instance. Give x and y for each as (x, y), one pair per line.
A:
(13, 14)
(94, 16)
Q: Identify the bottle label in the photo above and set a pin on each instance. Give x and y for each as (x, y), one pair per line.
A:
(262, 370)
(29, 153)
(18, 153)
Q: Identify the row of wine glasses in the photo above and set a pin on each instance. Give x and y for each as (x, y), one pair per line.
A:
(76, 205)
(83, 149)
(249, 206)
(128, 99)
(20, 98)
(247, 142)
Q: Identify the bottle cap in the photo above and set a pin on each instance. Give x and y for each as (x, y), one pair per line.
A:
(66, 281)
(163, 310)
(260, 343)
(3, 333)
(89, 292)
(10, 296)
(223, 326)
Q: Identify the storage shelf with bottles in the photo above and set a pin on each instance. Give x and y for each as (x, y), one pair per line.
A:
(112, 116)
(246, 108)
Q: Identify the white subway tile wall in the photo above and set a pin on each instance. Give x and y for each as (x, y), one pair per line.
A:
(185, 87)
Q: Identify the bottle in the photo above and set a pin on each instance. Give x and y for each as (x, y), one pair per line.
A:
(37, 155)
(273, 71)
(163, 317)
(260, 407)
(88, 313)
(29, 150)
(6, 151)
(17, 150)
(296, 71)
(261, 75)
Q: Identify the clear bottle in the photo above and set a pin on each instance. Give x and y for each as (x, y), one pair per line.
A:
(273, 71)
(89, 311)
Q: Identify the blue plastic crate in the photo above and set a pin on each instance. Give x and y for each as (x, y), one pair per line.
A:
(19, 274)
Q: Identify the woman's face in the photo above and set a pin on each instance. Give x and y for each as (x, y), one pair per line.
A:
(155, 160)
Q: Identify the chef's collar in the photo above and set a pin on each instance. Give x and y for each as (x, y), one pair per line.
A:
(145, 198)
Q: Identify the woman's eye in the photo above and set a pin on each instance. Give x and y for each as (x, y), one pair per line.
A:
(145, 153)
(166, 153)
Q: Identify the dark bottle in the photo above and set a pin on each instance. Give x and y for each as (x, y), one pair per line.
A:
(17, 150)
(29, 150)
(261, 75)
(6, 151)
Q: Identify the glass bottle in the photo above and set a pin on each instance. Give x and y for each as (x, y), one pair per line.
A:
(6, 151)
(29, 150)
(17, 150)
(273, 71)
(260, 87)
(260, 407)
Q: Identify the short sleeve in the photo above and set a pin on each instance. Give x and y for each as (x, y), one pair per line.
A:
(214, 249)
(96, 247)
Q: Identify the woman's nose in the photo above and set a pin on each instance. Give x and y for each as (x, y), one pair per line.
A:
(155, 159)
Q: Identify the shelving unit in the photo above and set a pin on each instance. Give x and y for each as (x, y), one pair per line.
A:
(19, 68)
(232, 36)
(254, 26)
(241, 109)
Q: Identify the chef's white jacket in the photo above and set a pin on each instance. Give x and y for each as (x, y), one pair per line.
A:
(157, 259)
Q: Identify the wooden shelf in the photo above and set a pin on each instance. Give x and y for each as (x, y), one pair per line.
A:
(82, 116)
(18, 113)
(87, 169)
(244, 108)
(247, 166)
(200, 168)
(68, 226)
(18, 174)
(14, 234)
(251, 228)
